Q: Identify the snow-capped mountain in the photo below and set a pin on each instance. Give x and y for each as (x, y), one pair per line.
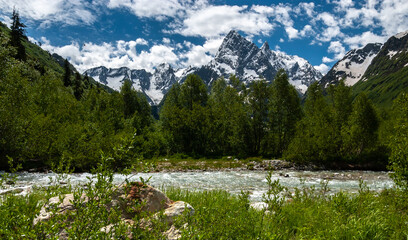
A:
(353, 65)
(236, 55)
(239, 56)
(153, 85)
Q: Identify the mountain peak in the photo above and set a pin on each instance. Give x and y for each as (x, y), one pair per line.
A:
(265, 46)
(233, 34)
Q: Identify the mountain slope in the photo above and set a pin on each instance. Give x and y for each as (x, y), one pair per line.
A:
(353, 65)
(387, 75)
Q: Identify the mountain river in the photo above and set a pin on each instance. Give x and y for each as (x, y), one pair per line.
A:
(232, 181)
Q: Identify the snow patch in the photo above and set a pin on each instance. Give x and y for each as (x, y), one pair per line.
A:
(391, 54)
(115, 82)
(155, 94)
(250, 73)
(401, 35)
(354, 71)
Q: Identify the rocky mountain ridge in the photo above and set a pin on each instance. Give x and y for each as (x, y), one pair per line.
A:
(236, 55)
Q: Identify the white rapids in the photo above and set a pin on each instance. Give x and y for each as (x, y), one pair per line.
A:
(231, 181)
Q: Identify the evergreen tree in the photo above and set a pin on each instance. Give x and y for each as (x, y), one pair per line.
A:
(87, 82)
(78, 89)
(67, 74)
(284, 112)
(129, 99)
(17, 36)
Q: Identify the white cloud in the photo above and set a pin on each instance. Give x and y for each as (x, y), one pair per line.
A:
(149, 8)
(196, 56)
(308, 8)
(323, 68)
(214, 21)
(113, 55)
(337, 48)
(393, 16)
(327, 60)
(344, 4)
(358, 41)
(47, 12)
(166, 40)
(292, 32)
(212, 45)
(327, 19)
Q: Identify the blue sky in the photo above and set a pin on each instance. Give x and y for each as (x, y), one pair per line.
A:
(144, 33)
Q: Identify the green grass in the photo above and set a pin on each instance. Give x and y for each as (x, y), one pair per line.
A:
(306, 213)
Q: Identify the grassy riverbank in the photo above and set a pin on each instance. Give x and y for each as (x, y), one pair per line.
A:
(306, 213)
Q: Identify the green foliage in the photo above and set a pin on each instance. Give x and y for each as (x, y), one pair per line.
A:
(228, 119)
(363, 126)
(258, 98)
(193, 92)
(185, 117)
(398, 142)
(284, 113)
(315, 140)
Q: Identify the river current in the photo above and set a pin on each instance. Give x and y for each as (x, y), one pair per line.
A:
(231, 181)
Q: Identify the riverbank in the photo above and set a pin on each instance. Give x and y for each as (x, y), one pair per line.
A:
(259, 164)
(304, 212)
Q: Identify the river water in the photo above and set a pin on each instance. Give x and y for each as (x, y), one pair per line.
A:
(231, 181)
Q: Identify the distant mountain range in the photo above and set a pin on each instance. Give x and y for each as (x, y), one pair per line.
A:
(380, 70)
(236, 55)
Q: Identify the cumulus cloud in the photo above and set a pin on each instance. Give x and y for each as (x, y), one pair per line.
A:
(337, 48)
(327, 60)
(358, 41)
(113, 55)
(149, 8)
(323, 68)
(213, 21)
(47, 12)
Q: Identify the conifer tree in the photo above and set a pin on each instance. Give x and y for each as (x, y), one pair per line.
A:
(67, 74)
(17, 36)
(78, 89)
(129, 99)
